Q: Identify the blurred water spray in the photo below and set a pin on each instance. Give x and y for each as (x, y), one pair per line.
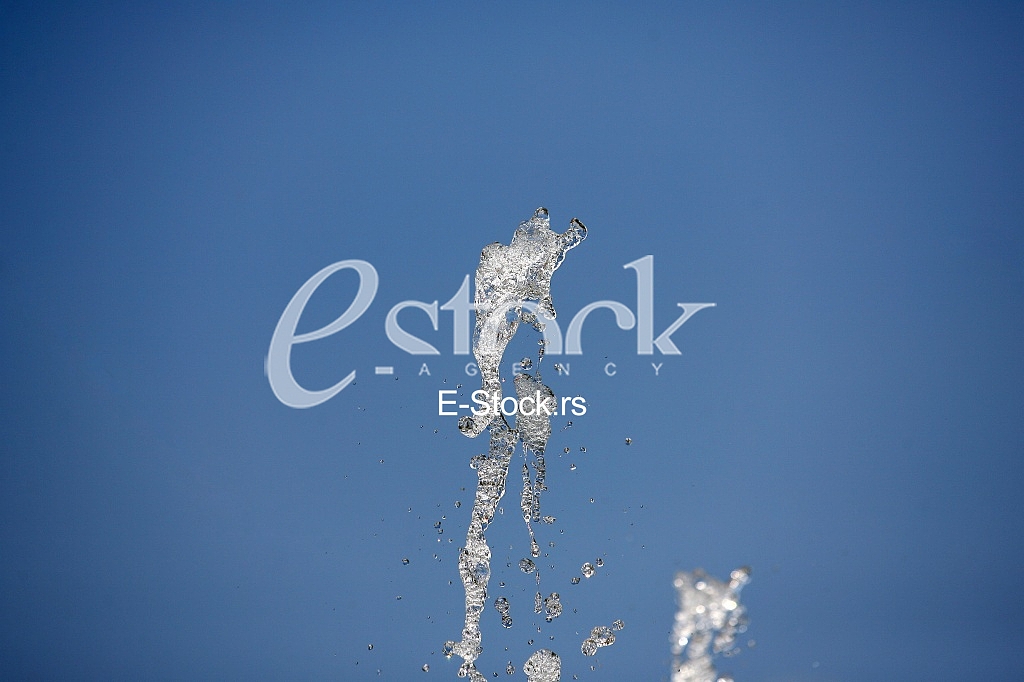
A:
(709, 618)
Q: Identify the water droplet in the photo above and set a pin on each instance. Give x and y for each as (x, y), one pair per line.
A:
(599, 562)
(527, 566)
(629, 441)
(502, 606)
(575, 580)
(617, 625)
(426, 668)
(587, 569)
(405, 562)
(552, 607)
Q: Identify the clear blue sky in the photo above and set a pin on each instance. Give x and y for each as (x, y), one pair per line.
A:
(844, 181)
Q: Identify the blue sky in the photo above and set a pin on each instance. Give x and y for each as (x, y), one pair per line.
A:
(843, 181)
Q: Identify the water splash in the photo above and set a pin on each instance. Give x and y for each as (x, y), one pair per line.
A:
(503, 607)
(600, 636)
(709, 618)
(508, 278)
(543, 666)
(513, 285)
(552, 606)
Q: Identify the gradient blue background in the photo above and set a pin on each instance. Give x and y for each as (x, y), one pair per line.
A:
(845, 181)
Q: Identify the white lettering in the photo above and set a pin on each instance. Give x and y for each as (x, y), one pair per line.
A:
(508, 412)
(663, 342)
(279, 369)
(645, 340)
(460, 306)
(441, 402)
(403, 339)
(479, 397)
(623, 317)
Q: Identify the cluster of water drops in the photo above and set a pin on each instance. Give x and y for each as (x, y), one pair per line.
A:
(600, 636)
(709, 618)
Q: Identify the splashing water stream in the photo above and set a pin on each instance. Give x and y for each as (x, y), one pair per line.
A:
(507, 279)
